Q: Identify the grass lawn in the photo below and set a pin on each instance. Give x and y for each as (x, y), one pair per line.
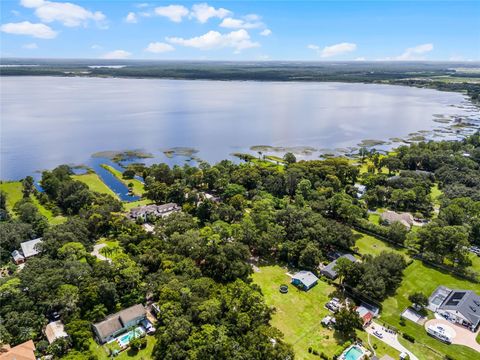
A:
(419, 277)
(94, 183)
(144, 354)
(298, 313)
(113, 250)
(132, 204)
(138, 188)
(374, 218)
(367, 244)
(381, 349)
(14, 194)
(435, 194)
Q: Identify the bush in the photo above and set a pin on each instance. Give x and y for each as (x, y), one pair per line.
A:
(314, 352)
(323, 356)
(310, 350)
(408, 337)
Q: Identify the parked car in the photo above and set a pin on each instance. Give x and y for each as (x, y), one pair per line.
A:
(378, 334)
(149, 328)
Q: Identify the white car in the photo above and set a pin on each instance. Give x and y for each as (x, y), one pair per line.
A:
(378, 334)
(150, 329)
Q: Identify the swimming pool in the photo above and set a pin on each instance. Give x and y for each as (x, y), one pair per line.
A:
(353, 353)
(125, 339)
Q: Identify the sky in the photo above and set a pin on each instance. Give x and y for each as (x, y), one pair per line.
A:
(242, 30)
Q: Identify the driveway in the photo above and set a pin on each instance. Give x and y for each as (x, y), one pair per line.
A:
(389, 339)
(96, 252)
(462, 336)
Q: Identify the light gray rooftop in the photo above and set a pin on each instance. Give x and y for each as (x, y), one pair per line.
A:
(466, 302)
(306, 277)
(30, 248)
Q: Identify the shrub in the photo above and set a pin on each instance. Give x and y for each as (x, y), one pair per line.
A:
(310, 350)
(323, 356)
(315, 352)
(408, 337)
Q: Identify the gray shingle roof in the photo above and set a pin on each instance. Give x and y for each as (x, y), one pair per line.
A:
(329, 270)
(118, 321)
(466, 302)
(30, 248)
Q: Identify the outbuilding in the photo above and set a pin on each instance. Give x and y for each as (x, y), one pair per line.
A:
(304, 280)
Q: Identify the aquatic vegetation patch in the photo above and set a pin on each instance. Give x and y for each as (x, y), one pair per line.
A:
(372, 142)
(126, 155)
(180, 151)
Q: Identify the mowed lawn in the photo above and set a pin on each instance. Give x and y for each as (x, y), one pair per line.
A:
(298, 313)
(13, 189)
(94, 183)
(144, 354)
(138, 187)
(421, 278)
(367, 244)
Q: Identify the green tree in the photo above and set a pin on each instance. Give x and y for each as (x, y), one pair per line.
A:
(347, 321)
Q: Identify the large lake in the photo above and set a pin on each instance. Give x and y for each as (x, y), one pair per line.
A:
(47, 121)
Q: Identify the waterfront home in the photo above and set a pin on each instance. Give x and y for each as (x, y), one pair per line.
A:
(157, 211)
(329, 270)
(55, 330)
(118, 323)
(390, 217)
(304, 280)
(24, 351)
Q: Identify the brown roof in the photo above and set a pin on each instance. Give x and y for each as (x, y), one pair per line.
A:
(403, 218)
(131, 313)
(54, 331)
(23, 351)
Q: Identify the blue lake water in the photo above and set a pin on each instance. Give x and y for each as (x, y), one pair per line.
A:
(48, 121)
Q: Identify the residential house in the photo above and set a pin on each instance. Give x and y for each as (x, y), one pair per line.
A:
(24, 351)
(361, 189)
(329, 270)
(390, 217)
(118, 323)
(365, 314)
(142, 212)
(31, 248)
(18, 257)
(461, 307)
(55, 330)
(304, 280)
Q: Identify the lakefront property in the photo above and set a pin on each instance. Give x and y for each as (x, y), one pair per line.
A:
(239, 180)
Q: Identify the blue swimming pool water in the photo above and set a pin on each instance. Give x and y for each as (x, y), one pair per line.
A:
(125, 339)
(354, 353)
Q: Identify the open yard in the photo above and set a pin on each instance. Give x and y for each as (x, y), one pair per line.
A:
(419, 277)
(298, 313)
(144, 354)
(94, 183)
(368, 244)
(13, 189)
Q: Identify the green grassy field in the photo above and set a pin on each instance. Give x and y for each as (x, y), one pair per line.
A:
(132, 204)
(367, 244)
(298, 314)
(14, 194)
(94, 183)
(138, 188)
(144, 354)
(421, 278)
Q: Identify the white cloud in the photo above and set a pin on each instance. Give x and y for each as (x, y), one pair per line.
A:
(96, 47)
(360, 59)
(142, 5)
(40, 31)
(231, 23)
(68, 14)
(203, 12)
(30, 46)
(159, 47)
(414, 53)
(239, 40)
(266, 32)
(174, 12)
(456, 58)
(116, 54)
(313, 47)
(131, 18)
(337, 49)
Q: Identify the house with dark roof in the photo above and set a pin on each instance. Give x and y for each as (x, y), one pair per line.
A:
(304, 280)
(119, 323)
(329, 270)
(461, 307)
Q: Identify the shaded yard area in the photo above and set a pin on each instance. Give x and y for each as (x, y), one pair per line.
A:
(13, 189)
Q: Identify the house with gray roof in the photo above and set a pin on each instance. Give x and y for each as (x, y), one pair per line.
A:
(461, 307)
(18, 257)
(142, 212)
(304, 280)
(329, 270)
(119, 323)
(389, 217)
(31, 248)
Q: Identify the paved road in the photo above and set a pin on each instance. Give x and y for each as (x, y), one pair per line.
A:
(462, 336)
(389, 339)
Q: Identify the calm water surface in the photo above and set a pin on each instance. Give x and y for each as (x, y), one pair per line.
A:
(47, 121)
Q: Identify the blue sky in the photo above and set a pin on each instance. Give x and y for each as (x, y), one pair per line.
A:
(242, 30)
